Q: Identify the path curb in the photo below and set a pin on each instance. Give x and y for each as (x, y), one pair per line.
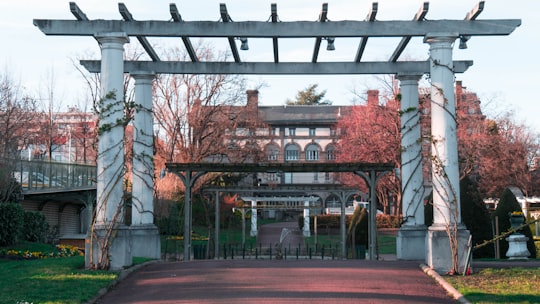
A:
(444, 284)
(124, 273)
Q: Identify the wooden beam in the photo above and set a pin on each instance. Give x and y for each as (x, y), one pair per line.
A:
(274, 17)
(283, 68)
(279, 167)
(142, 40)
(296, 29)
(363, 40)
(322, 18)
(226, 18)
(175, 14)
(405, 40)
(77, 12)
(472, 15)
(475, 12)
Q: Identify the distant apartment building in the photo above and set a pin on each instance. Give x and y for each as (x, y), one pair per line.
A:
(63, 137)
(300, 133)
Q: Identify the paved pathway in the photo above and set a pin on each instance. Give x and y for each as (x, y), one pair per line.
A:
(271, 234)
(278, 281)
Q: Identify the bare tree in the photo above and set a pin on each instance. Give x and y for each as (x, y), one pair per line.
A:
(196, 114)
(17, 117)
(51, 134)
(371, 133)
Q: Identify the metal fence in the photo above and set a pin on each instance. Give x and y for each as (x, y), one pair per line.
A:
(227, 251)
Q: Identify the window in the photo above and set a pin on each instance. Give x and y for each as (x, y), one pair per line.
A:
(311, 131)
(291, 152)
(312, 152)
(288, 177)
(272, 152)
(292, 131)
(271, 177)
(330, 153)
(333, 132)
(232, 145)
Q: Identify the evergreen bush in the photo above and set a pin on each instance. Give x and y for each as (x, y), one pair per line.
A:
(359, 226)
(11, 223)
(476, 217)
(35, 228)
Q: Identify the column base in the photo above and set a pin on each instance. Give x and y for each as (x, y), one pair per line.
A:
(119, 248)
(145, 241)
(517, 247)
(411, 242)
(438, 251)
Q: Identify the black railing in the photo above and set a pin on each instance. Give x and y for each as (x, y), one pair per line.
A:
(259, 251)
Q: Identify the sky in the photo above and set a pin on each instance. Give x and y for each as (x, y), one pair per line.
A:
(504, 73)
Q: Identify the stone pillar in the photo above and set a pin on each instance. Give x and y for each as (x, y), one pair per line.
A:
(306, 230)
(145, 235)
(445, 170)
(110, 159)
(412, 234)
(253, 231)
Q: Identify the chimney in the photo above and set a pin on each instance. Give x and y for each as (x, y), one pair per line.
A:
(252, 98)
(373, 97)
(459, 88)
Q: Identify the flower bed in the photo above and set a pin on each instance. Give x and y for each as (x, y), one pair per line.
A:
(61, 251)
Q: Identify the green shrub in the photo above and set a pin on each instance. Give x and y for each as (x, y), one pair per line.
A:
(11, 223)
(359, 227)
(324, 221)
(35, 226)
(10, 189)
(476, 217)
(388, 221)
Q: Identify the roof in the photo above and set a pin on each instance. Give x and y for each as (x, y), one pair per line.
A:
(302, 114)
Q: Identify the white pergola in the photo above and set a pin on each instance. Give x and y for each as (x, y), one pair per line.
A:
(439, 34)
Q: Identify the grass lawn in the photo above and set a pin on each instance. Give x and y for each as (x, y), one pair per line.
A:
(513, 285)
(53, 280)
(50, 280)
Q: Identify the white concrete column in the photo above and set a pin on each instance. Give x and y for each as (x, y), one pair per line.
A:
(444, 158)
(110, 162)
(110, 158)
(410, 241)
(253, 231)
(144, 234)
(306, 230)
(143, 151)
(445, 170)
(411, 152)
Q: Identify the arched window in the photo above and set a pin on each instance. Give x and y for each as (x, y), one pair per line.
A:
(312, 152)
(292, 152)
(331, 152)
(333, 201)
(272, 152)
